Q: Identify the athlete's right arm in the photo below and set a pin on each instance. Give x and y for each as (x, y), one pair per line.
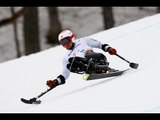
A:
(61, 78)
(65, 73)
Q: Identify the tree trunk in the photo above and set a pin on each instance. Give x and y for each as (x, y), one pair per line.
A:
(31, 30)
(158, 9)
(15, 34)
(54, 26)
(108, 17)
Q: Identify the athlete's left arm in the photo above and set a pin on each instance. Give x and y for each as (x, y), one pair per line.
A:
(97, 44)
(93, 43)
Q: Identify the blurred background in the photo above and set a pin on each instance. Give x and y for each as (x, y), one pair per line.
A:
(27, 30)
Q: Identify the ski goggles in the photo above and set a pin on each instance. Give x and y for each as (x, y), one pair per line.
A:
(65, 40)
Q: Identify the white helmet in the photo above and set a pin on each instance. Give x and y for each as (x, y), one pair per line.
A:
(66, 34)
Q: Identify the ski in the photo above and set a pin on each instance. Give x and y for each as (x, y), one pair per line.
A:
(103, 75)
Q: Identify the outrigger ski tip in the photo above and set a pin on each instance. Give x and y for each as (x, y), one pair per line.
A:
(31, 101)
(34, 99)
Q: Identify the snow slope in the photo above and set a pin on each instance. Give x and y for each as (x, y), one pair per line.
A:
(134, 92)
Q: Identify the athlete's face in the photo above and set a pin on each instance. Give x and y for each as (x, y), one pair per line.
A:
(68, 45)
(66, 42)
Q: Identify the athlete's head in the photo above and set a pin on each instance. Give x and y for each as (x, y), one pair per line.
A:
(66, 38)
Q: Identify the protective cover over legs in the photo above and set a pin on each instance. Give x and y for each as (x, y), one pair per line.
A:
(92, 63)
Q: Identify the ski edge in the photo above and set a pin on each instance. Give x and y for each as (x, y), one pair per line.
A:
(87, 76)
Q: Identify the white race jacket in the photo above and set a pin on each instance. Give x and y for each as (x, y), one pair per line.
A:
(81, 47)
